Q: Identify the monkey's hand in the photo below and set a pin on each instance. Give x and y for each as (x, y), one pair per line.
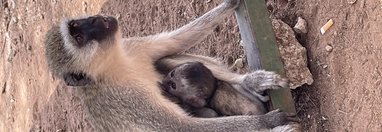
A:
(233, 3)
(277, 118)
(261, 80)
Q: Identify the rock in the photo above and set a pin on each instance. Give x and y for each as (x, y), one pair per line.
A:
(29, 47)
(41, 16)
(301, 26)
(292, 54)
(85, 6)
(351, 2)
(118, 16)
(239, 63)
(328, 48)
(241, 43)
(14, 19)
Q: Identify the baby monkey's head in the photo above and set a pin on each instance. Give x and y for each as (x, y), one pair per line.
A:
(192, 82)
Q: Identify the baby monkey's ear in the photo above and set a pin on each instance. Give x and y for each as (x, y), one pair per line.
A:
(77, 79)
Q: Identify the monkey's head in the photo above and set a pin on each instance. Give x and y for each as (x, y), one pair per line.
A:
(192, 82)
(76, 44)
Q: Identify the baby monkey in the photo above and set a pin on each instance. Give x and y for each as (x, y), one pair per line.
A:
(193, 86)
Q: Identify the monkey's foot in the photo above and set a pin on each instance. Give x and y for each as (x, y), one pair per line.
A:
(261, 80)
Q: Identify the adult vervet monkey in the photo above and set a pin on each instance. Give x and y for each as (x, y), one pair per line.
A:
(124, 95)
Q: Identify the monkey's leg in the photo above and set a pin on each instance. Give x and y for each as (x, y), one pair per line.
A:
(252, 85)
(247, 123)
(169, 43)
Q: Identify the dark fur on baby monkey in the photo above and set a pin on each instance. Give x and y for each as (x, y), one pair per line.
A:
(194, 88)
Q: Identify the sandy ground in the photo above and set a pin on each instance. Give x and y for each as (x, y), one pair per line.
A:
(346, 94)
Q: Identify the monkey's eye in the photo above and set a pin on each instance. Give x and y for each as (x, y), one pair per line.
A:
(105, 19)
(79, 38)
(172, 74)
(78, 76)
(172, 85)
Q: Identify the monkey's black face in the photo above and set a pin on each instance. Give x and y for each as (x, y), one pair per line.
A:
(96, 28)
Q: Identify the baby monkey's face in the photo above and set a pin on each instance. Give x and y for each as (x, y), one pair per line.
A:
(192, 82)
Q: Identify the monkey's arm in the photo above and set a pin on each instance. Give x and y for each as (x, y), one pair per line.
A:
(173, 42)
(219, 70)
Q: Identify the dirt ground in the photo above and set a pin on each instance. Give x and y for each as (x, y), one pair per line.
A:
(346, 94)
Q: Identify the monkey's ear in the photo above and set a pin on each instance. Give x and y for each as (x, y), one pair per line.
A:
(76, 79)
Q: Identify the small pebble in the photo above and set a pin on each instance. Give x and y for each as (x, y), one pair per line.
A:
(351, 2)
(118, 15)
(241, 43)
(41, 16)
(14, 19)
(301, 26)
(239, 63)
(85, 4)
(29, 47)
(328, 48)
(324, 66)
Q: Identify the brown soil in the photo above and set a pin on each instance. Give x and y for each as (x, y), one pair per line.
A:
(346, 94)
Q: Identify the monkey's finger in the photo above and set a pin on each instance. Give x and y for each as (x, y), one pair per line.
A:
(274, 111)
(293, 119)
(291, 114)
